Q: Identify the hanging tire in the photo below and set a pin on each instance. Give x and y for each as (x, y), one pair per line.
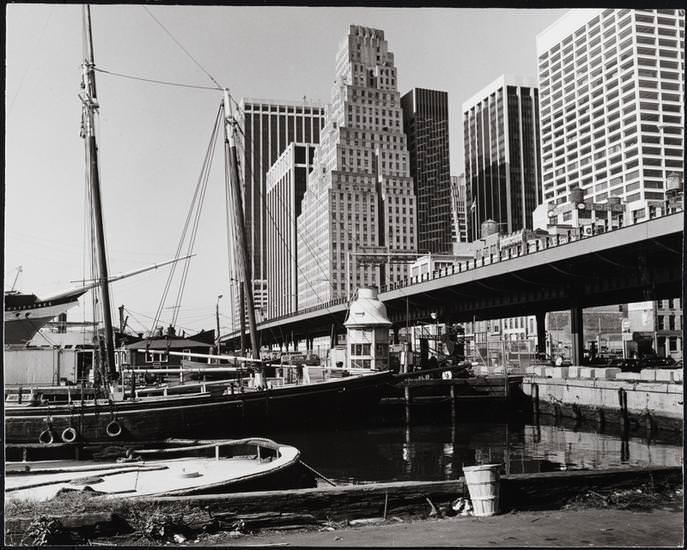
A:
(69, 435)
(113, 429)
(46, 437)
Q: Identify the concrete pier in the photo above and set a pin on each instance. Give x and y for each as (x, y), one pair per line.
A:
(653, 398)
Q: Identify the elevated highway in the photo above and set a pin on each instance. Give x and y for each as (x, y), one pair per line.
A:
(638, 262)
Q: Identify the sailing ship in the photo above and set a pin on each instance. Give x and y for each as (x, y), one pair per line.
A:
(34, 421)
(26, 314)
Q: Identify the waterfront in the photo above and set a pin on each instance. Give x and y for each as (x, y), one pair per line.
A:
(433, 449)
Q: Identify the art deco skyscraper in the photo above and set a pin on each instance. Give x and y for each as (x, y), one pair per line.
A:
(502, 162)
(360, 193)
(425, 123)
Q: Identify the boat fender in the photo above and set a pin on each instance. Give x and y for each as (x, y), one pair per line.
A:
(113, 429)
(69, 435)
(46, 437)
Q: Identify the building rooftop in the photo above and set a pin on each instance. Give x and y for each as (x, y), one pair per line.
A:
(500, 82)
(563, 26)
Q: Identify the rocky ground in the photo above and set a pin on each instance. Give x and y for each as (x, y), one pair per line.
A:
(643, 516)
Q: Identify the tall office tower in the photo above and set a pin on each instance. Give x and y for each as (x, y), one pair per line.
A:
(269, 126)
(360, 194)
(425, 123)
(502, 162)
(459, 223)
(286, 183)
(612, 115)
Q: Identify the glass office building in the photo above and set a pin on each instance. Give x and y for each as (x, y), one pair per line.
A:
(502, 162)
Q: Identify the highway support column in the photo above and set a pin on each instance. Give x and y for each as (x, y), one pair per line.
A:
(541, 331)
(577, 334)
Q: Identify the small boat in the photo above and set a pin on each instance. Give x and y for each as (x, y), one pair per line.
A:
(209, 467)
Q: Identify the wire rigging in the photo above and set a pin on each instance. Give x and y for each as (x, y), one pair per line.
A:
(156, 81)
(191, 222)
(183, 49)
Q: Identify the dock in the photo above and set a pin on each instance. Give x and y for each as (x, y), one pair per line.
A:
(652, 399)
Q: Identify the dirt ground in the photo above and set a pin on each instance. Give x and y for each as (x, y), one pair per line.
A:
(560, 528)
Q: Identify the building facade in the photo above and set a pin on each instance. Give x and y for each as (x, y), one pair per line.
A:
(425, 123)
(459, 201)
(286, 183)
(612, 114)
(360, 194)
(269, 126)
(502, 162)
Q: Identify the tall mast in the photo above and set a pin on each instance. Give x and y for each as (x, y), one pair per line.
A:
(90, 106)
(234, 196)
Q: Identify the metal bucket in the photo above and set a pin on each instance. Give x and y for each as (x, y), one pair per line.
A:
(483, 484)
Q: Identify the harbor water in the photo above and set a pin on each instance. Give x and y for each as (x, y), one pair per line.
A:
(437, 449)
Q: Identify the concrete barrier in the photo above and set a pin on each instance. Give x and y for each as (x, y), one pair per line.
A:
(647, 375)
(665, 375)
(587, 373)
(608, 373)
(574, 372)
(628, 376)
(557, 372)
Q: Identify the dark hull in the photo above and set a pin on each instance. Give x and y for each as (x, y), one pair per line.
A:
(202, 415)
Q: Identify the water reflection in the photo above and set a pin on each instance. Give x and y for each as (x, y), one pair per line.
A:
(439, 450)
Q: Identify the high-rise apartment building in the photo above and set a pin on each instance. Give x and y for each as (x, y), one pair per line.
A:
(502, 162)
(286, 183)
(269, 126)
(459, 220)
(612, 114)
(360, 193)
(425, 123)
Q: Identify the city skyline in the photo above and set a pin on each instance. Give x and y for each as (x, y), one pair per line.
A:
(147, 155)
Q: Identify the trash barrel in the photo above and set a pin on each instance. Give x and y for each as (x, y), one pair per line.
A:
(483, 484)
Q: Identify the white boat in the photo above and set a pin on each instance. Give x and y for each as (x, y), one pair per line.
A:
(214, 467)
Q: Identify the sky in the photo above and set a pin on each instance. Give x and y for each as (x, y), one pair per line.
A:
(152, 138)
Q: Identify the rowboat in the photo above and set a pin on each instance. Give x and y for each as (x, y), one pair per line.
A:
(212, 467)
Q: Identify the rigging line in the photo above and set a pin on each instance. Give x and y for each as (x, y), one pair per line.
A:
(194, 230)
(170, 276)
(184, 49)
(29, 66)
(286, 245)
(306, 241)
(149, 317)
(155, 81)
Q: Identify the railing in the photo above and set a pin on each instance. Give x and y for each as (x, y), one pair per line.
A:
(524, 248)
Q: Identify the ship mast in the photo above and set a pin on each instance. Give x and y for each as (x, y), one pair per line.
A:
(90, 107)
(235, 206)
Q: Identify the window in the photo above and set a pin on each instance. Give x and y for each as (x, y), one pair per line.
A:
(360, 349)
(156, 357)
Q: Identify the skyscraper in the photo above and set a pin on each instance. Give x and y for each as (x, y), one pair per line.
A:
(502, 162)
(459, 223)
(360, 194)
(425, 123)
(612, 116)
(286, 183)
(269, 126)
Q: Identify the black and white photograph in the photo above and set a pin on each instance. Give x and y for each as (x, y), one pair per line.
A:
(343, 276)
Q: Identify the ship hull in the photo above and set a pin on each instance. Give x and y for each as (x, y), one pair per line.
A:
(200, 415)
(23, 322)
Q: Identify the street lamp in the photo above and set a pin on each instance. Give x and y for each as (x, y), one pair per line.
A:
(219, 297)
